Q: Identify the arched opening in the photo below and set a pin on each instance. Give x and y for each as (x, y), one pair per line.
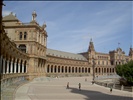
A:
(20, 36)
(62, 69)
(21, 66)
(66, 69)
(25, 35)
(55, 69)
(51, 68)
(88, 70)
(82, 70)
(104, 70)
(58, 69)
(22, 47)
(79, 70)
(110, 70)
(69, 69)
(76, 69)
(96, 70)
(99, 70)
(85, 70)
(17, 66)
(72, 69)
(25, 68)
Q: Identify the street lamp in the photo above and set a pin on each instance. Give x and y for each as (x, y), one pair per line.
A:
(93, 68)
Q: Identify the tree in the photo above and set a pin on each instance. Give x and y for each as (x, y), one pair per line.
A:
(126, 71)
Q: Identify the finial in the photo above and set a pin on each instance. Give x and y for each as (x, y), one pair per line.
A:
(34, 15)
(91, 40)
(12, 13)
(131, 46)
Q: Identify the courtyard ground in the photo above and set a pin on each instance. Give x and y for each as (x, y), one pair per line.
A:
(45, 88)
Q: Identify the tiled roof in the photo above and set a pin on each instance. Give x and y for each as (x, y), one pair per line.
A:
(67, 55)
(10, 17)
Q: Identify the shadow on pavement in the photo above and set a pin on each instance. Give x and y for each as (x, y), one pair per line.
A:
(95, 95)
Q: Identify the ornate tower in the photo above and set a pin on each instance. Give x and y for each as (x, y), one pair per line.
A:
(91, 52)
(131, 53)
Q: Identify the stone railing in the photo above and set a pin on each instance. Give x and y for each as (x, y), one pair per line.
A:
(115, 86)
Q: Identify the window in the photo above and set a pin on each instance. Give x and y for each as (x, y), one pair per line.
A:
(20, 36)
(25, 35)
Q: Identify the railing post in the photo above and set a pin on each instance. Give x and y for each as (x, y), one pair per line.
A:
(122, 87)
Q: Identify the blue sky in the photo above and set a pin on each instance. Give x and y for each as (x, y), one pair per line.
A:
(71, 24)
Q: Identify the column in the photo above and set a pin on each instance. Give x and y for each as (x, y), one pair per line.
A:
(26, 67)
(22, 67)
(15, 66)
(11, 66)
(43, 39)
(3, 66)
(7, 71)
(40, 38)
(49, 68)
(19, 67)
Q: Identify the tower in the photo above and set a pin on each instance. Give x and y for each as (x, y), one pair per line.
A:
(91, 52)
(131, 53)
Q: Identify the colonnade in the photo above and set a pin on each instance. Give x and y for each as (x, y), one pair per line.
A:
(66, 69)
(12, 65)
(101, 70)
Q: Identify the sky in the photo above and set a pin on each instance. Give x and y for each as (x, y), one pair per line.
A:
(71, 24)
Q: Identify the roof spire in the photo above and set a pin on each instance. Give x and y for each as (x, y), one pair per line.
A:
(34, 16)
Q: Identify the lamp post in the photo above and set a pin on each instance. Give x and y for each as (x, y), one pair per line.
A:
(93, 68)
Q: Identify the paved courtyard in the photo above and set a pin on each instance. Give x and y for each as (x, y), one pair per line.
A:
(45, 88)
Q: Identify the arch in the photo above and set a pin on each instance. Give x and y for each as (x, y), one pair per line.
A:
(20, 35)
(88, 70)
(107, 70)
(25, 35)
(62, 69)
(58, 69)
(72, 69)
(83, 70)
(25, 68)
(21, 66)
(99, 70)
(66, 69)
(76, 70)
(104, 70)
(17, 65)
(96, 70)
(55, 67)
(79, 69)
(22, 47)
(110, 70)
(51, 68)
(69, 69)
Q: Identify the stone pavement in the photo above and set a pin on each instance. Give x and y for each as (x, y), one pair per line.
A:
(55, 89)
(7, 93)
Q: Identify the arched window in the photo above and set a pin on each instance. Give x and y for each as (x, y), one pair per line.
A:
(20, 36)
(25, 35)
(48, 69)
(66, 69)
(55, 69)
(22, 47)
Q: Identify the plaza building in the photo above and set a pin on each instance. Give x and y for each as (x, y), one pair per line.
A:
(31, 39)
